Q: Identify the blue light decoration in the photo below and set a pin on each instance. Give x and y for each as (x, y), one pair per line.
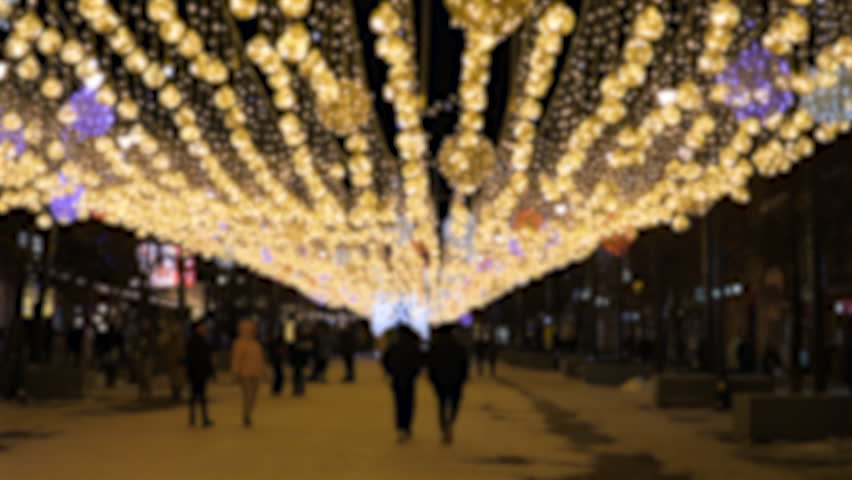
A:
(751, 79)
(14, 136)
(831, 105)
(94, 119)
(265, 255)
(466, 320)
(65, 207)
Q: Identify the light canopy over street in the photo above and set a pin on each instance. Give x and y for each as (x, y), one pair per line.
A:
(303, 140)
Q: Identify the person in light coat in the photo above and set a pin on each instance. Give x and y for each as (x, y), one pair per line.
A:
(248, 366)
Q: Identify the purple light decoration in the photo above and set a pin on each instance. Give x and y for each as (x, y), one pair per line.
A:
(515, 247)
(751, 81)
(93, 118)
(14, 136)
(485, 265)
(64, 208)
(554, 239)
(324, 278)
(265, 255)
(466, 320)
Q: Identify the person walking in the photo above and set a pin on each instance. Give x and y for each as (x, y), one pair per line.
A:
(144, 353)
(172, 344)
(448, 371)
(324, 347)
(301, 353)
(276, 351)
(248, 366)
(347, 344)
(402, 362)
(199, 370)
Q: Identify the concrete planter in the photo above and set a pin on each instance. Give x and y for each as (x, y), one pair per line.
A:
(698, 390)
(612, 374)
(764, 417)
(536, 360)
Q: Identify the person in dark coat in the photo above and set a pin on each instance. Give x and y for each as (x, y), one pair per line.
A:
(276, 351)
(772, 362)
(746, 356)
(448, 372)
(323, 349)
(402, 362)
(347, 345)
(199, 370)
(302, 352)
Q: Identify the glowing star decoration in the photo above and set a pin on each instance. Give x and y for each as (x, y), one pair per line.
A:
(92, 118)
(753, 83)
(65, 206)
(391, 311)
(834, 104)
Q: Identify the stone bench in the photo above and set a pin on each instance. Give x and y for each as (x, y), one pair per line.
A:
(765, 417)
(698, 390)
(612, 374)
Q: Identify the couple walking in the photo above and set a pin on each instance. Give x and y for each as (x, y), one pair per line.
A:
(447, 365)
(247, 365)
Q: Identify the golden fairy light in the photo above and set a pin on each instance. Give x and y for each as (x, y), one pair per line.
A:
(265, 150)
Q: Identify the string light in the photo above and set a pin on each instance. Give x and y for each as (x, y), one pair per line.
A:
(265, 150)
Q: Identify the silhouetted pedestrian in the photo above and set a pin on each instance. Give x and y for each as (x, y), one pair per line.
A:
(323, 349)
(448, 371)
(247, 364)
(480, 348)
(276, 352)
(402, 361)
(199, 370)
(848, 354)
(493, 353)
(300, 354)
(746, 356)
(772, 363)
(347, 344)
(144, 351)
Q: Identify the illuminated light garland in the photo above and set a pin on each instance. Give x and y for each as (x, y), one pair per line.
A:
(584, 162)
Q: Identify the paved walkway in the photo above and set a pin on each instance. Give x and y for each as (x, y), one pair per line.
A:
(523, 426)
